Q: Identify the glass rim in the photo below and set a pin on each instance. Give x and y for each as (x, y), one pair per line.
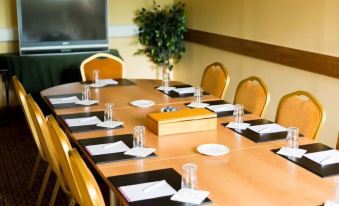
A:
(191, 166)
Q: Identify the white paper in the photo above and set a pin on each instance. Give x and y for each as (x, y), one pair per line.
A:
(267, 128)
(140, 151)
(64, 100)
(234, 125)
(197, 105)
(144, 191)
(331, 203)
(161, 88)
(103, 82)
(87, 102)
(190, 196)
(291, 152)
(108, 148)
(84, 121)
(324, 157)
(186, 90)
(221, 107)
(112, 124)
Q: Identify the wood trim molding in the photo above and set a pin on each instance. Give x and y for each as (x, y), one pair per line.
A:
(308, 61)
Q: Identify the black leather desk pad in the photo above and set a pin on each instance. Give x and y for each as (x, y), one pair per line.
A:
(174, 94)
(67, 105)
(218, 102)
(121, 82)
(113, 157)
(256, 137)
(86, 128)
(314, 167)
(172, 177)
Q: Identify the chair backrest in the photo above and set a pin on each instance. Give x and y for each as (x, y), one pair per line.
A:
(253, 94)
(109, 66)
(215, 80)
(87, 185)
(21, 93)
(62, 146)
(301, 109)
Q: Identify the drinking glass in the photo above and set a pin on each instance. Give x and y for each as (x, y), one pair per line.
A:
(238, 113)
(96, 78)
(198, 94)
(165, 81)
(86, 95)
(292, 138)
(189, 177)
(336, 190)
(139, 136)
(108, 115)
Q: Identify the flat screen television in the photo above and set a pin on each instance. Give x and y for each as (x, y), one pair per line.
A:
(62, 26)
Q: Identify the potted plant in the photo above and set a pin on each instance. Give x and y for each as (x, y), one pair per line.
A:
(161, 33)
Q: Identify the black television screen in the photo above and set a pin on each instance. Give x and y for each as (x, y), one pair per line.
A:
(49, 26)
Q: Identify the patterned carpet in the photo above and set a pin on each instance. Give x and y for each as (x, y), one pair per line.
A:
(17, 156)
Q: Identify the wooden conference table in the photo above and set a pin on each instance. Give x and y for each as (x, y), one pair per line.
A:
(251, 174)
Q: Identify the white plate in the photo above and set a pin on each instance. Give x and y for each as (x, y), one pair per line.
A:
(143, 103)
(213, 149)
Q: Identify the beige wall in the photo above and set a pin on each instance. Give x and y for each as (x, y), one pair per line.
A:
(305, 24)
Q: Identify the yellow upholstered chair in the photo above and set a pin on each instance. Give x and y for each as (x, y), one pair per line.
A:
(301, 109)
(253, 94)
(215, 80)
(87, 185)
(21, 93)
(109, 66)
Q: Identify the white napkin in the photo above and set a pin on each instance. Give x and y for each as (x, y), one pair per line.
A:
(162, 88)
(103, 82)
(140, 151)
(234, 125)
(291, 152)
(64, 100)
(186, 90)
(190, 196)
(331, 203)
(147, 190)
(84, 121)
(221, 107)
(324, 157)
(197, 105)
(112, 124)
(87, 102)
(108, 148)
(267, 128)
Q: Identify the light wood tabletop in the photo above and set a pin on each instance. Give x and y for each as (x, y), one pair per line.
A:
(251, 174)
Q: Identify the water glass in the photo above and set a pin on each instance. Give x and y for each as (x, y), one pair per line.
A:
(189, 177)
(336, 190)
(86, 94)
(292, 138)
(96, 77)
(108, 115)
(198, 94)
(139, 136)
(238, 113)
(165, 80)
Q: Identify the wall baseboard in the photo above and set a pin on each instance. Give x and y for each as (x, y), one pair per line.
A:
(126, 30)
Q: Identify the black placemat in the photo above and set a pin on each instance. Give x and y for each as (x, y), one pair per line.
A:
(113, 157)
(314, 167)
(67, 105)
(86, 128)
(174, 94)
(257, 137)
(218, 102)
(171, 176)
(121, 82)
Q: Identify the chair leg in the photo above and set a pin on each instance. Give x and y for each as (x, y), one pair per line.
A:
(72, 202)
(43, 186)
(34, 172)
(55, 193)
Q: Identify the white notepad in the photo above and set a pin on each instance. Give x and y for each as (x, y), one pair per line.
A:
(331, 203)
(221, 107)
(291, 152)
(84, 121)
(197, 105)
(234, 125)
(190, 196)
(186, 90)
(140, 151)
(267, 128)
(324, 157)
(104, 82)
(86, 102)
(108, 148)
(162, 88)
(64, 100)
(149, 190)
(112, 124)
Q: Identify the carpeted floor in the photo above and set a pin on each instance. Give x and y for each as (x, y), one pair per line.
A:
(17, 156)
